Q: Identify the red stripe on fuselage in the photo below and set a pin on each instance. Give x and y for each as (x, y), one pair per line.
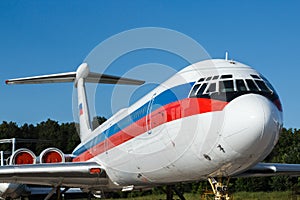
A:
(170, 112)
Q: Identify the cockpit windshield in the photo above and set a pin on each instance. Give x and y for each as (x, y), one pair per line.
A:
(226, 87)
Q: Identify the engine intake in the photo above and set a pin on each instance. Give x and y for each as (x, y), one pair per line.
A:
(22, 157)
(52, 155)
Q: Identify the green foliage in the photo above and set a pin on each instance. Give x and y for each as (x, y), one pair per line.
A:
(236, 196)
(48, 134)
(287, 148)
(263, 195)
(65, 137)
(252, 184)
(97, 121)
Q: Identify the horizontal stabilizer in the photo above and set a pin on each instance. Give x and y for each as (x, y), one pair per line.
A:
(79, 78)
(71, 77)
(109, 79)
(52, 78)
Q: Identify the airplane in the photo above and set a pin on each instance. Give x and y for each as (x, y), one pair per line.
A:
(213, 119)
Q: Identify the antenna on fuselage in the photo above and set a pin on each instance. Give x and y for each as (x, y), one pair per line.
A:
(226, 55)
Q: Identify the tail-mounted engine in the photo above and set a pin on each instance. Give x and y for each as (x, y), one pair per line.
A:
(52, 155)
(22, 156)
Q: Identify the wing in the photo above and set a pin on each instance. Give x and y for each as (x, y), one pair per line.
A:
(271, 169)
(82, 175)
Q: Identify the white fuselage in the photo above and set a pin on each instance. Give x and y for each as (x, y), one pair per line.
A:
(190, 129)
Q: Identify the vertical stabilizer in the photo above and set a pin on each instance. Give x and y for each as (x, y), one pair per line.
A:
(83, 111)
(80, 77)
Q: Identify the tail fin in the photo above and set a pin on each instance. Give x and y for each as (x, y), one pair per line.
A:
(80, 77)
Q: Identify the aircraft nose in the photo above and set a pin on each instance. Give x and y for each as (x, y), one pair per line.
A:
(251, 125)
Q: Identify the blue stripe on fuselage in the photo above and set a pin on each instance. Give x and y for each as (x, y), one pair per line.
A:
(168, 96)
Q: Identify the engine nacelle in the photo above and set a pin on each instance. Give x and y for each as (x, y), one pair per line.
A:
(52, 155)
(22, 157)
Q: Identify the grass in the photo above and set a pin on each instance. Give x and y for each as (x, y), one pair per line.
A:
(265, 196)
(237, 196)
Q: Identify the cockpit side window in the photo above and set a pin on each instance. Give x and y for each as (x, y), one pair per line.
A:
(262, 86)
(215, 77)
(251, 85)
(254, 76)
(201, 90)
(240, 85)
(226, 86)
(194, 90)
(201, 79)
(268, 84)
(226, 76)
(211, 88)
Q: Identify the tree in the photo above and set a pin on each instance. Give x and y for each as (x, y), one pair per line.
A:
(65, 137)
(7, 131)
(97, 121)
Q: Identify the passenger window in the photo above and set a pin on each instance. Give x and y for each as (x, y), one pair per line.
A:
(211, 88)
(226, 86)
(194, 90)
(208, 78)
(251, 85)
(241, 87)
(262, 86)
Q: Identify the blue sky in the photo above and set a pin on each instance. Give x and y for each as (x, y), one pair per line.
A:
(41, 37)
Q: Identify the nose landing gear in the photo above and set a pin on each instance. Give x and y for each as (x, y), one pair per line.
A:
(219, 189)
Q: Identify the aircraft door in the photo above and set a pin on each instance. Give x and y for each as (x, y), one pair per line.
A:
(149, 114)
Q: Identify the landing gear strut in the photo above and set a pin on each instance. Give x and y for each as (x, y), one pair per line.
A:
(220, 190)
(170, 189)
(58, 192)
